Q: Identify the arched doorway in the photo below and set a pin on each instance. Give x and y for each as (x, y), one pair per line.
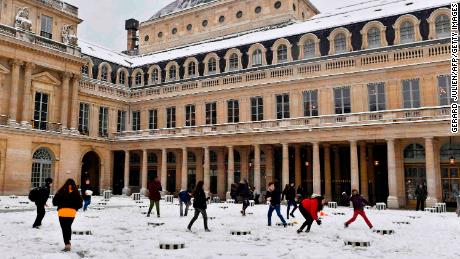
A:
(42, 167)
(414, 170)
(90, 169)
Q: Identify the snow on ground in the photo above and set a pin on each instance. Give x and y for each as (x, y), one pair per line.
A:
(121, 231)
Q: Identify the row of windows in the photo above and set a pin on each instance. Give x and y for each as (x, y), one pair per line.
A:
(342, 105)
(373, 37)
(221, 20)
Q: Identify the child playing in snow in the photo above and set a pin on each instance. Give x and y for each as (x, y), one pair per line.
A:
(309, 208)
(358, 206)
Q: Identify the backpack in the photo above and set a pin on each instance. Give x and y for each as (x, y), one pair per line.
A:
(34, 194)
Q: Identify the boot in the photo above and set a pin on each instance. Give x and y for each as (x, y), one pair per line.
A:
(292, 215)
(299, 231)
(346, 225)
(67, 248)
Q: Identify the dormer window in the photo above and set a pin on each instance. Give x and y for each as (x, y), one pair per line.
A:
(155, 76)
(122, 78)
(257, 58)
(373, 38)
(233, 62)
(309, 49)
(212, 66)
(104, 73)
(282, 53)
(172, 73)
(138, 79)
(340, 43)
(85, 70)
(442, 24)
(407, 32)
(192, 69)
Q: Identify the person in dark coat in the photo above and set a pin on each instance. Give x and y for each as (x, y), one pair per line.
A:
(274, 197)
(245, 194)
(199, 203)
(184, 198)
(309, 208)
(421, 193)
(68, 202)
(43, 194)
(154, 195)
(358, 206)
(234, 192)
(289, 194)
(86, 193)
(302, 190)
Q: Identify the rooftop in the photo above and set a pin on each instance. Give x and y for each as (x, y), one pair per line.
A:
(178, 6)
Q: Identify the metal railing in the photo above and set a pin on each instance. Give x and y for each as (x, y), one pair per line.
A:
(46, 126)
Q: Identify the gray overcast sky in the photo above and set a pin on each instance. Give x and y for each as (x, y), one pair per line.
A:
(104, 20)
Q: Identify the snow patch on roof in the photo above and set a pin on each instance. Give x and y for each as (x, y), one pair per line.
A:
(178, 6)
(100, 52)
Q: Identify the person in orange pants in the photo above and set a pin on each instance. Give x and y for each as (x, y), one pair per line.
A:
(358, 205)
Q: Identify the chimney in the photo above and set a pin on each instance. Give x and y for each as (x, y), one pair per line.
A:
(132, 26)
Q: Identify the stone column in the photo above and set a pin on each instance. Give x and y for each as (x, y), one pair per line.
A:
(257, 168)
(431, 177)
(244, 164)
(370, 172)
(199, 165)
(126, 189)
(206, 176)
(354, 165)
(144, 171)
(316, 169)
(285, 171)
(337, 174)
(231, 169)
(13, 109)
(268, 164)
(65, 100)
(221, 172)
(164, 168)
(184, 178)
(75, 105)
(392, 201)
(26, 108)
(327, 172)
(363, 170)
(298, 166)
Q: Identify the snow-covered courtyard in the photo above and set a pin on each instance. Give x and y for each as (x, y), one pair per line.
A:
(121, 230)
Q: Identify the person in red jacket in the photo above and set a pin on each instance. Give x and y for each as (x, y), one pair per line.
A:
(154, 195)
(309, 208)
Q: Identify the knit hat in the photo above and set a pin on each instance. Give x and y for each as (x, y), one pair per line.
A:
(314, 195)
(48, 180)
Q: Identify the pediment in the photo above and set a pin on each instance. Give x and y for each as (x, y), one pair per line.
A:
(46, 78)
(4, 70)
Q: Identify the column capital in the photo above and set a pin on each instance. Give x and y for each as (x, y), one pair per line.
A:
(353, 141)
(184, 148)
(66, 75)
(390, 140)
(230, 147)
(314, 142)
(428, 138)
(30, 66)
(76, 77)
(15, 62)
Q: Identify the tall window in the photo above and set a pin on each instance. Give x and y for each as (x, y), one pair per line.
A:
(172, 72)
(282, 106)
(42, 164)
(310, 103)
(376, 93)
(170, 117)
(257, 108)
(257, 58)
(342, 100)
(153, 119)
(407, 32)
(340, 43)
(191, 69)
(442, 24)
(211, 113)
(212, 66)
(411, 93)
(121, 121)
(373, 38)
(190, 115)
(282, 53)
(41, 111)
(444, 85)
(309, 49)
(122, 78)
(103, 121)
(83, 119)
(136, 120)
(104, 73)
(233, 111)
(234, 62)
(155, 76)
(138, 79)
(46, 27)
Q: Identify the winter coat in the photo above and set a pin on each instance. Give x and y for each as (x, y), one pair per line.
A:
(311, 206)
(243, 191)
(199, 201)
(357, 200)
(302, 191)
(42, 195)
(289, 193)
(421, 193)
(275, 197)
(184, 196)
(68, 200)
(234, 190)
(84, 188)
(154, 190)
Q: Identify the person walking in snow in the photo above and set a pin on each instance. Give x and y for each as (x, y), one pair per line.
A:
(200, 205)
(40, 196)
(358, 206)
(309, 208)
(289, 193)
(184, 199)
(154, 196)
(68, 202)
(244, 193)
(274, 197)
(86, 193)
(421, 193)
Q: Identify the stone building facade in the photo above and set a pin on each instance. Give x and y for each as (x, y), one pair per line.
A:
(357, 97)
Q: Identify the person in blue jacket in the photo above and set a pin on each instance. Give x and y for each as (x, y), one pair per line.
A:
(184, 199)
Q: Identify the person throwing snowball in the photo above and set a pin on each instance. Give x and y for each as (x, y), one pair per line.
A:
(358, 206)
(309, 208)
